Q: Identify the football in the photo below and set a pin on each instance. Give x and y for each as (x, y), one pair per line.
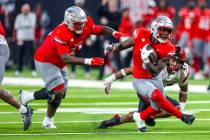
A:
(153, 56)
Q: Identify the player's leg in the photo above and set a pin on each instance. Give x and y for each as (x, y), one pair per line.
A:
(53, 103)
(5, 95)
(55, 100)
(43, 93)
(148, 88)
(128, 118)
(164, 114)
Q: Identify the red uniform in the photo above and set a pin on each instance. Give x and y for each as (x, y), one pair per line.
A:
(62, 41)
(187, 20)
(1, 29)
(202, 24)
(169, 12)
(142, 37)
(126, 26)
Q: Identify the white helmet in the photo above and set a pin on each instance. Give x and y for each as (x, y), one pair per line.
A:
(75, 18)
(162, 24)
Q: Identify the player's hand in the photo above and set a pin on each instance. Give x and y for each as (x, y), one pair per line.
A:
(109, 49)
(96, 61)
(118, 35)
(107, 86)
(145, 54)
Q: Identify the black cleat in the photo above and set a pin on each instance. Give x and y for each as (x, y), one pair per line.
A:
(108, 123)
(188, 119)
(143, 129)
(150, 122)
(27, 118)
(208, 88)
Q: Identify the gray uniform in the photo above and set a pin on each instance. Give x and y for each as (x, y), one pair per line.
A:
(4, 57)
(52, 75)
(145, 87)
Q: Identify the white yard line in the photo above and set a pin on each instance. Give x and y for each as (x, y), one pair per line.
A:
(96, 121)
(105, 103)
(92, 84)
(101, 110)
(106, 133)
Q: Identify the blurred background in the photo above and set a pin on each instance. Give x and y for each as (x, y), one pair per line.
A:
(191, 21)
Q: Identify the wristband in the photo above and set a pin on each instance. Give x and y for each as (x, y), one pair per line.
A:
(111, 78)
(88, 61)
(123, 72)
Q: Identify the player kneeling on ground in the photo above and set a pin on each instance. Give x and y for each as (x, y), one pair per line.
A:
(56, 51)
(175, 72)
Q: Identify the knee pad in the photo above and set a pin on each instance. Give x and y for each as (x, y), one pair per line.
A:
(54, 100)
(156, 95)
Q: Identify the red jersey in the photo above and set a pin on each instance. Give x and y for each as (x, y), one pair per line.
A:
(63, 41)
(169, 12)
(202, 24)
(142, 37)
(187, 19)
(1, 29)
(126, 26)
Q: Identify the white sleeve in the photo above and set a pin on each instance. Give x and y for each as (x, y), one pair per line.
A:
(17, 23)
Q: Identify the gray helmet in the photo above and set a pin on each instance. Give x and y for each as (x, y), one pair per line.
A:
(75, 18)
(161, 21)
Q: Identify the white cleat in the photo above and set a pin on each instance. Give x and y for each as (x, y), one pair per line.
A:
(139, 122)
(26, 97)
(48, 123)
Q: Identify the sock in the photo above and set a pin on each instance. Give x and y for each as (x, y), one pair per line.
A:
(144, 115)
(22, 109)
(165, 104)
(41, 94)
(49, 118)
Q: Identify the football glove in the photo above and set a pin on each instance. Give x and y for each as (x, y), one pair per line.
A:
(95, 61)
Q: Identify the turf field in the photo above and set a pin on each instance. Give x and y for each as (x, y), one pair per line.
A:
(83, 109)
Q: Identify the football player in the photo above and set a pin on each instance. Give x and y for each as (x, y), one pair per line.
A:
(5, 95)
(146, 74)
(58, 49)
(175, 72)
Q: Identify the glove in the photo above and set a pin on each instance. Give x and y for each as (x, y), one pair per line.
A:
(118, 35)
(95, 61)
(110, 48)
(108, 82)
(107, 86)
(145, 54)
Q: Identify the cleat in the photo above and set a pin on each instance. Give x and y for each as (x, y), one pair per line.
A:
(150, 122)
(25, 97)
(112, 122)
(27, 118)
(139, 122)
(143, 129)
(48, 124)
(188, 119)
(208, 88)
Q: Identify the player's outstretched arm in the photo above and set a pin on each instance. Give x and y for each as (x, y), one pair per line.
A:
(118, 75)
(115, 47)
(105, 30)
(95, 61)
(183, 75)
